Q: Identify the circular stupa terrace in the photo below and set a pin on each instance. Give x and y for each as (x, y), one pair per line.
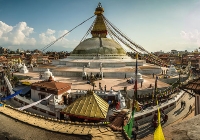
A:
(95, 63)
(114, 71)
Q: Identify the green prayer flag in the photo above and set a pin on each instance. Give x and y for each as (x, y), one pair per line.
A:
(128, 128)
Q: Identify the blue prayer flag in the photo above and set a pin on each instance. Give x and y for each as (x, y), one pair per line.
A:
(12, 95)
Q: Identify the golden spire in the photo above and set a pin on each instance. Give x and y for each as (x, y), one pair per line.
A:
(99, 28)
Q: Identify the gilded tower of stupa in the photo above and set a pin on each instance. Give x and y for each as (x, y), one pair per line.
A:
(99, 44)
(99, 28)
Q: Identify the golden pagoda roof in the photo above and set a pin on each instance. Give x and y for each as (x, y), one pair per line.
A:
(89, 106)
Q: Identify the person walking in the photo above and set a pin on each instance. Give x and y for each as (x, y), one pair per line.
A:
(184, 104)
(181, 104)
(190, 108)
(141, 83)
(99, 85)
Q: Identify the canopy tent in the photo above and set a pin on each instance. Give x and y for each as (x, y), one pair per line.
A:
(24, 89)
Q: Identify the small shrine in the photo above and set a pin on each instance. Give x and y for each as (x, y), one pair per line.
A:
(48, 74)
(23, 69)
(139, 78)
(172, 71)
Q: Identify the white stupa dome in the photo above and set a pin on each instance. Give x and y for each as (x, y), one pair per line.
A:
(47, 74)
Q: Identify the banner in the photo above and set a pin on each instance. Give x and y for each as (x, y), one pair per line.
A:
(158, 134)
(129, 127)
(12, 95)
(35, 103)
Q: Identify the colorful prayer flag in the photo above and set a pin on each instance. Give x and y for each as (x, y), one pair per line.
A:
(12, 95)
(137, 106)
(136, 57)
(158, 134)
(128, 128)
(34, 103)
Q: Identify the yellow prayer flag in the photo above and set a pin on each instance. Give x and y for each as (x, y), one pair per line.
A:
(158, 134)
(137, 106)
(136, 57)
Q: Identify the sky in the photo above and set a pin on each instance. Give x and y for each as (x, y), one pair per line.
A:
(154, 24)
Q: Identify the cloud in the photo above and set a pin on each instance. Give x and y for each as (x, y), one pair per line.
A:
(192, 37)
(62, 44)
(50, 32)
(19, 36)
(16, 35)
(51, 35)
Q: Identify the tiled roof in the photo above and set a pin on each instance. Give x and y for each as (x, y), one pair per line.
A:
(52, 85)
(118, 122)
(88, 106)
(193, 85)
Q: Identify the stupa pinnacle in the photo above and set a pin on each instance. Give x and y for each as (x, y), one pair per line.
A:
(99, 28)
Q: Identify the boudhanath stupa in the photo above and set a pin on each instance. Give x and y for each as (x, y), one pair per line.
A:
(99, 54)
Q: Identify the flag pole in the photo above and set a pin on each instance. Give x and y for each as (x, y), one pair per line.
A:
(156, 88)
(136, 71)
